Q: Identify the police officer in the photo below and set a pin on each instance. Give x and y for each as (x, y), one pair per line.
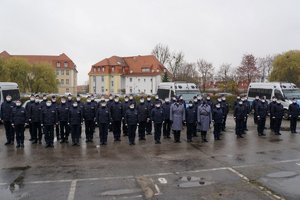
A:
(55, 106)
(157, 117)
(262, 113)
(157, 100)
(239, 117)
(48, 121)
(35, 118)
(44, 101)
(293, 114)
(271, 105)
(247, 106)
(217, 119)
(255, 104)
(177, 118)
(167, 123)
(236, 102)
(225, 109)
(27, 108)
(125, 106)
(191, 121)
(278, 112)
(150, 106)
(209, 102)
(75, 121)
(204, 119)
(109, 103)
(116, 111)
(63, 113)
(69, 101)
(143, 117)
(131, 120)
(19, 121)
(89, 116)
(5, 116)
(103, 119)
(131, 100)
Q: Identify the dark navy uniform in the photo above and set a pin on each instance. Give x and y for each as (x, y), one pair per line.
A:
(239, 116)
(271, 105)
(191, 122)
(5, 115)
(157, 116)
(278, 112)
(143, 118)
(293, 114)
(131, 120)
(217, 117)
(27, 108)
(116, 111)
(109, 103)
(262, 113)
(150, 106)
(247, 106)
(225, 109)
(63, 114)
(89, 115)
(75, 121)
(125, 106)
(255, 104)
(167, 123)
(19, 119)
(49, 120)
(55, 106)
(103, 119)
(35, 119)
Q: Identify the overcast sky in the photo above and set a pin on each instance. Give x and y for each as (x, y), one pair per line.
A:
(88, 31)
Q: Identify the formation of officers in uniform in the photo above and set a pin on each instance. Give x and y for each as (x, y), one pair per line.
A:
(46, 115)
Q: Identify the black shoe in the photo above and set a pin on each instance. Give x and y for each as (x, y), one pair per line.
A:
(74, 144)
(277, 133)
(66, 141)
(40, 141)
(18, 146)
(189, 141)
(246, 129)
(48, 145)
(31, 139)
(7, 143)
(62, 141)
(157, 142)
(165, 137)
(12, 143)
(142, 138)
(34, 142)
(22, 145)
(148, 133)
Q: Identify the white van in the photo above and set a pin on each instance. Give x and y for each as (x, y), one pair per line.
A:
(9, 88)
(284, 92)
(170, 89)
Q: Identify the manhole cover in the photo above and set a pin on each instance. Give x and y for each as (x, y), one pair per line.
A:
(282, 174)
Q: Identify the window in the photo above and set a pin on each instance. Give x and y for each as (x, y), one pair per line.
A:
(130, 90)
(58, 64)
(151, 79)
(138, 80)
(102, 89)
(112, 69)
(253, 92)
(103, 69)
(57, 72)
(67, 90)
(62, 81)
(67, 72)
(112, 83)
(278, 95)
(130, 79)
(145, 69)
(98, 69)
(102, 78)
(65, 64)
(62, 72)
(163, 93)
(144, 80)
(67, 81)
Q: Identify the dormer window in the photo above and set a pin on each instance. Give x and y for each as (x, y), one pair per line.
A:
(146, 69)
(112, 69)
(103, 68)
(65, 64)
(58, 64)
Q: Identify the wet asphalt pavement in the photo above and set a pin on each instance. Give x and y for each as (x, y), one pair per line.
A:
(250, 168)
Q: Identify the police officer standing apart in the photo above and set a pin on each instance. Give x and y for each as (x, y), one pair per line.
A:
(89, 115)
(6, 111)
(167, 123)
(63, 113)
(103, 119)
(143, 118)
(293, 114)
(48, 121)
(75, 121)
(217, 119)
(35, 119)
(177, 117)
(19, 121)
(262, 113)
(191, 121)
(278, 112)
(239, 117)
(157, 117)
(131, 120)
(116, 111)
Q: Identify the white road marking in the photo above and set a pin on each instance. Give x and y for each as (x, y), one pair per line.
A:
(162, 180)
(71, 195)
(298, 164)
(157, 190)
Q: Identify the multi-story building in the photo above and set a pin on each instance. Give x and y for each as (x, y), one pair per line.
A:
(65, 69)
(135, 74)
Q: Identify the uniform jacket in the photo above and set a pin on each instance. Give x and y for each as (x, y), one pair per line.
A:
(35, 112)
(143, 112)
(63, 112)
(204, 117)
(49, 116)
(19, 115)
(262, 110)
(166, 107)
(294, 110)
(131, 117)
(116, 111)
(6, 110)
(177, 115)
(75, 116)
(103, 115)
(218, 115)
(191, 115)
(157, 115)
(89, 112)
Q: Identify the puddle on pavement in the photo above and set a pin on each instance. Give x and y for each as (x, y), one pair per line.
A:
(120, 192)
(275, 140)
(282, 174)
(191, 181)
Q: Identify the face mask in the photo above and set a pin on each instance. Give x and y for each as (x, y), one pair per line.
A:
(116, 100)
(241, 103)
(92, 98)
(273, 100)
(263, 101)
(195, 100)
(148, 99)
(131, 107)
(75, 105)
(181, 98)
(126, 100)
(219, 100)
(294, 101)
(130, 98)
(217, 106)
(53, 100)
(191, 105)
(36, 100)
(256, 98)
(8, 99)
(32, 99)
(238, 98)
(157, 106)
(156, 97)
(199, 98)
(78, 99)
(223, 99)
(69, 98)
(44, 98)
(88, 100)
(142, 100)
(278, 102)
(103, 104)
(110, 98)
(48, 104)
(63, 101)
(208, 98)
(18, 104)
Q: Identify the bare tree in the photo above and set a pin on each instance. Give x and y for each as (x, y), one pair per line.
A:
(224, 72)
(248, 70)
(188, 72)
(265, 66)
(206, 70)
(175, 63)
(162, 53)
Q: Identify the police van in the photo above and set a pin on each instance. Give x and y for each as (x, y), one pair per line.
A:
(171, 89)
(284, 92)
(9, 88)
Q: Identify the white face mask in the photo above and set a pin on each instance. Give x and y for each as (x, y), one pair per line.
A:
(208, 98)
(126, 100)
(110, 98)
(263, 101)
(18, 104)
(53, 100)
(63, 101)
(224, 99)
(48, 104)
(219, 100)
(131, 107)
(44, 98)
(70, 98)
(199, 98)
(36, 100)
(240, 102)
(218, 106)
(75, 104)
(130, 98)
(103, 104)
(257, 98)
(274, 100)
(142, 100)
(116, 100)
(195, 100)
(31, 98)
(88, 100)
(294, 101)
(158, 106)
(8, 99)
(156, 97)
(148, 99)
(78, 99)
(92, 98)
